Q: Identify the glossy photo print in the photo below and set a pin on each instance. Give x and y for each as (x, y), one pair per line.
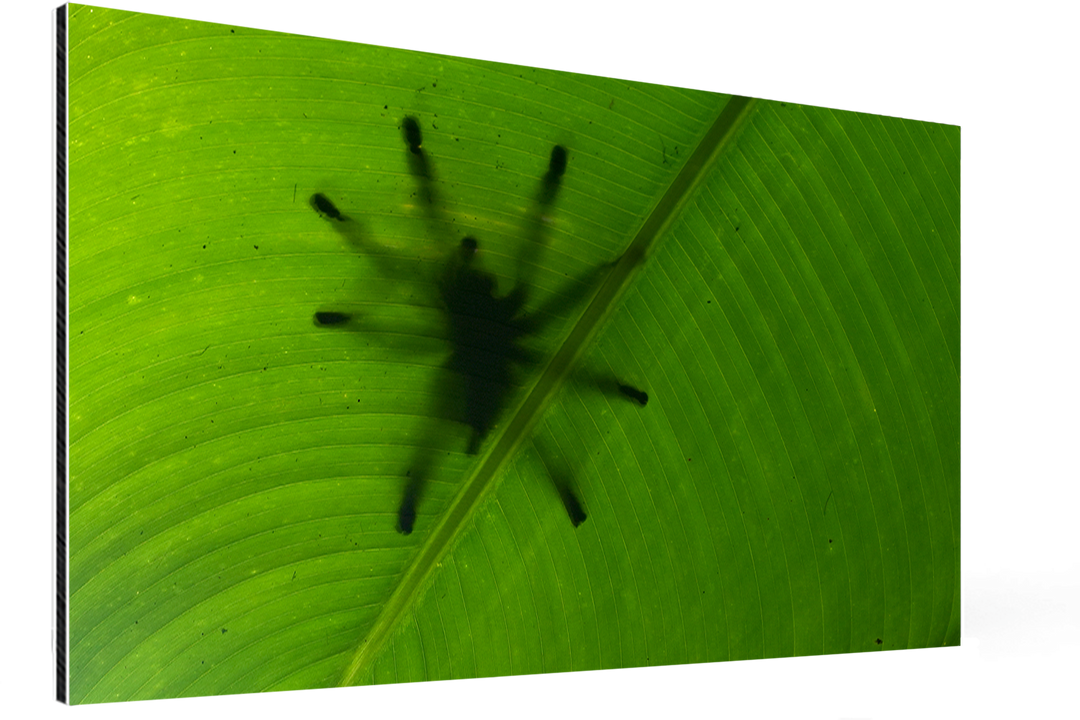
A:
(383, 366)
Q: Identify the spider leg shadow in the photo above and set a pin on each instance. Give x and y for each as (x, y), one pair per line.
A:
(559, 471)
(609, 386)
(615, 388)
(407, 510)
(563, 480)
(537, 220)
(390, 266)
(353, 234)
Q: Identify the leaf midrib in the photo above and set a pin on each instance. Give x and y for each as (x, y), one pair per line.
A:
(481, 481)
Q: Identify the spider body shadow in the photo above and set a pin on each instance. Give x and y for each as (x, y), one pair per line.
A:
(486, 332)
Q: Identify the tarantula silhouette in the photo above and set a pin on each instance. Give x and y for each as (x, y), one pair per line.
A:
(486, 332)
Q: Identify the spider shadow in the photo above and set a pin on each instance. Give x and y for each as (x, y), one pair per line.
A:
(486, 334)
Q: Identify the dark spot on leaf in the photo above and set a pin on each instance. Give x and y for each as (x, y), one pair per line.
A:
(331, 318)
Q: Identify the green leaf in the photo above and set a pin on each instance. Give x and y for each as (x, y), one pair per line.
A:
(782, 280)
